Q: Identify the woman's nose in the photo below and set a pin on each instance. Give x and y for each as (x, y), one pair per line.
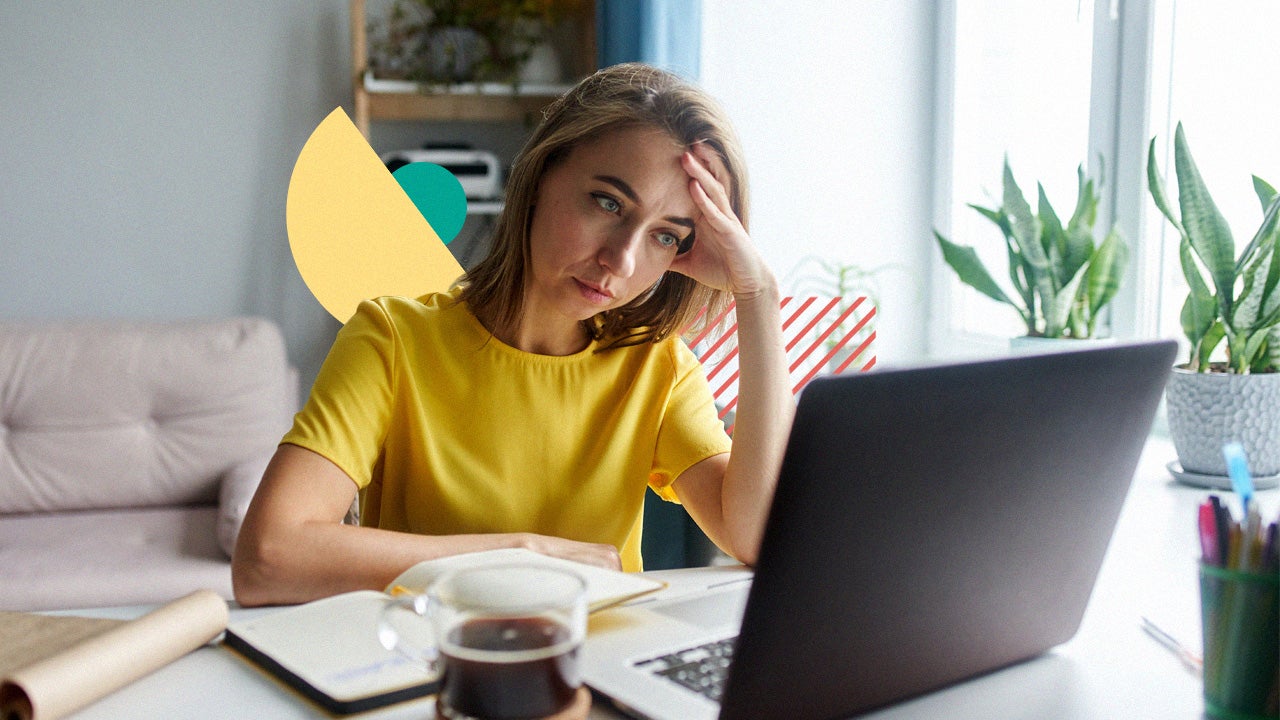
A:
(618, 255)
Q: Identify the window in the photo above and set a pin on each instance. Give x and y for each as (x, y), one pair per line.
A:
(1019, 86)
(1057, 83)
(1212, 68)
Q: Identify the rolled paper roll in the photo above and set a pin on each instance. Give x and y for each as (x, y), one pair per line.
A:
(61, 684)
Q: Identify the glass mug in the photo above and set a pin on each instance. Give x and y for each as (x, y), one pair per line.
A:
(504, 639)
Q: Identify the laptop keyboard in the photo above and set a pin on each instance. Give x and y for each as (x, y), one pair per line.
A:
(702, 668)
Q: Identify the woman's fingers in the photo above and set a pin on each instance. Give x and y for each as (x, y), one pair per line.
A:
(600, 555)
(708, 181)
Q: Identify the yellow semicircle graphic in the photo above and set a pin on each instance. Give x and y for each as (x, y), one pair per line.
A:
(353, 231)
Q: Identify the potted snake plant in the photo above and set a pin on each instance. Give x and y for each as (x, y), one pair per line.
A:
(1062, 279)
(1229, 388)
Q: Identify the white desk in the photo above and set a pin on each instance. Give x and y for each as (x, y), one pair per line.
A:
(1111, 669)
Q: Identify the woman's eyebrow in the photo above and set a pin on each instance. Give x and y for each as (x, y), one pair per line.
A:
(622, 186)
(626, 189)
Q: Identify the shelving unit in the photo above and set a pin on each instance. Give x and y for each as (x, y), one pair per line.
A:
(375, 101)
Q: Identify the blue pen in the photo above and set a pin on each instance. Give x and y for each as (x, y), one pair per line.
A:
(1238, 470)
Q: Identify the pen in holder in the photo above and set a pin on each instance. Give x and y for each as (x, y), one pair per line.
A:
(1239, 609)
(1238, 612)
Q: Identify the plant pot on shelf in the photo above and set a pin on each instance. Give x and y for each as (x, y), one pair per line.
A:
(1209, 410)
(453, 52)
(542, 66)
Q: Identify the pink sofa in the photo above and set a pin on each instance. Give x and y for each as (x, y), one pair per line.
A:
(129, 452)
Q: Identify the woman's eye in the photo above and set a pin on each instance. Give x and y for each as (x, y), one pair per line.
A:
(667, 239)
(607, 203)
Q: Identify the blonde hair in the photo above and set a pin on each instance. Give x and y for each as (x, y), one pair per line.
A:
(622, 96)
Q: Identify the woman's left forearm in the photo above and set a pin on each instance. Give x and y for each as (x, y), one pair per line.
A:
(762, 422)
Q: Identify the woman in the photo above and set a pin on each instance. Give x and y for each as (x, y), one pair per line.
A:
(531, 404)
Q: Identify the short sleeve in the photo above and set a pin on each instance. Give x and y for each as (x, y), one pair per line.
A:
(348, 411)
(691, 430)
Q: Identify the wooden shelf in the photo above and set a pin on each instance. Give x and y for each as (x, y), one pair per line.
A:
(448, 106)
(451, 105)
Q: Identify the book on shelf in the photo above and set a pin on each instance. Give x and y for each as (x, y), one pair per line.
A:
(328, 649)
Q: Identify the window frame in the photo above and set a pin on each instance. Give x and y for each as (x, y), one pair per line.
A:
(1120, 101)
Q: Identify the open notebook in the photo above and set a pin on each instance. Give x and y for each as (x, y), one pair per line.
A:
(328, 649)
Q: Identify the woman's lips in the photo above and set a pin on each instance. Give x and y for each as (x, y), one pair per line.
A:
(593, 293)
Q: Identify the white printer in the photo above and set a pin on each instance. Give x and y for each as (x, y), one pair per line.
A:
(477, 170)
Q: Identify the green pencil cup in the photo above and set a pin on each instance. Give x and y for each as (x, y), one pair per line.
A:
(1240, 621)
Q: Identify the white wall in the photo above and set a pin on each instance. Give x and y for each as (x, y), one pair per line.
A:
(148, 148)
(146, 156)
(834, 103)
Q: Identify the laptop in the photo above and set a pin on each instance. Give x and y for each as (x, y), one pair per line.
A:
(930, 524)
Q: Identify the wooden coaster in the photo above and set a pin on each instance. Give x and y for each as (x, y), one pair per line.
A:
(577, 710)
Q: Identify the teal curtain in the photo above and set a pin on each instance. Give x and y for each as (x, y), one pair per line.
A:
(665, 33)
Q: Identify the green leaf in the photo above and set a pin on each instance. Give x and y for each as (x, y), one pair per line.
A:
(1058, 308)
(1210, 235)
(1265, 192)
(1024, 225)
(1077, 322)
(1026, 233)
(1255, 349)
(1200, 308)
(1018, 272)
(1269, 300)
(1106, 269)
(964, 261)
(1053, 240)
(1155, 183)
(1248, 304)
(1272, 361)
(995, 216)
(1080, 248)
(1206, 345)
(1270, 221)
(1086, 212)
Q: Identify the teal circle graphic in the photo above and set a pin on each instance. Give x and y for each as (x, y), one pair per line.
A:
(437, 194)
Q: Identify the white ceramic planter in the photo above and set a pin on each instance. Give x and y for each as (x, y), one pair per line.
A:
(1208, 410)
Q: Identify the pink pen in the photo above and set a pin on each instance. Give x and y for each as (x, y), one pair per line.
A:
(1209, 534)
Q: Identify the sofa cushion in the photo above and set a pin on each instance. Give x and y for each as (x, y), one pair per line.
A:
(99, 414)
(102, 558)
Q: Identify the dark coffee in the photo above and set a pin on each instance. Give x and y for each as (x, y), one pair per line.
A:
(508, 669)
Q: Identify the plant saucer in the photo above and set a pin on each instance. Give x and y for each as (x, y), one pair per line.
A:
(1216, 482)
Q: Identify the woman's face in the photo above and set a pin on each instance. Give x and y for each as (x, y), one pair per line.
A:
(606, 225)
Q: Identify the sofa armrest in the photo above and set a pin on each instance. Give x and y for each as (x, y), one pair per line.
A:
(237, 489)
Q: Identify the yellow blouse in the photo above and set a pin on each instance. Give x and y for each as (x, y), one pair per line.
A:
(447, 430)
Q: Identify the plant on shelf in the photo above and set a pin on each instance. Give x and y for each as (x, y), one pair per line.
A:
(455, 41)
(1062, 280)
(1229, 388)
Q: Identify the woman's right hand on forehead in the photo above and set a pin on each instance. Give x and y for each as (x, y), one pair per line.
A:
(722, 255)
